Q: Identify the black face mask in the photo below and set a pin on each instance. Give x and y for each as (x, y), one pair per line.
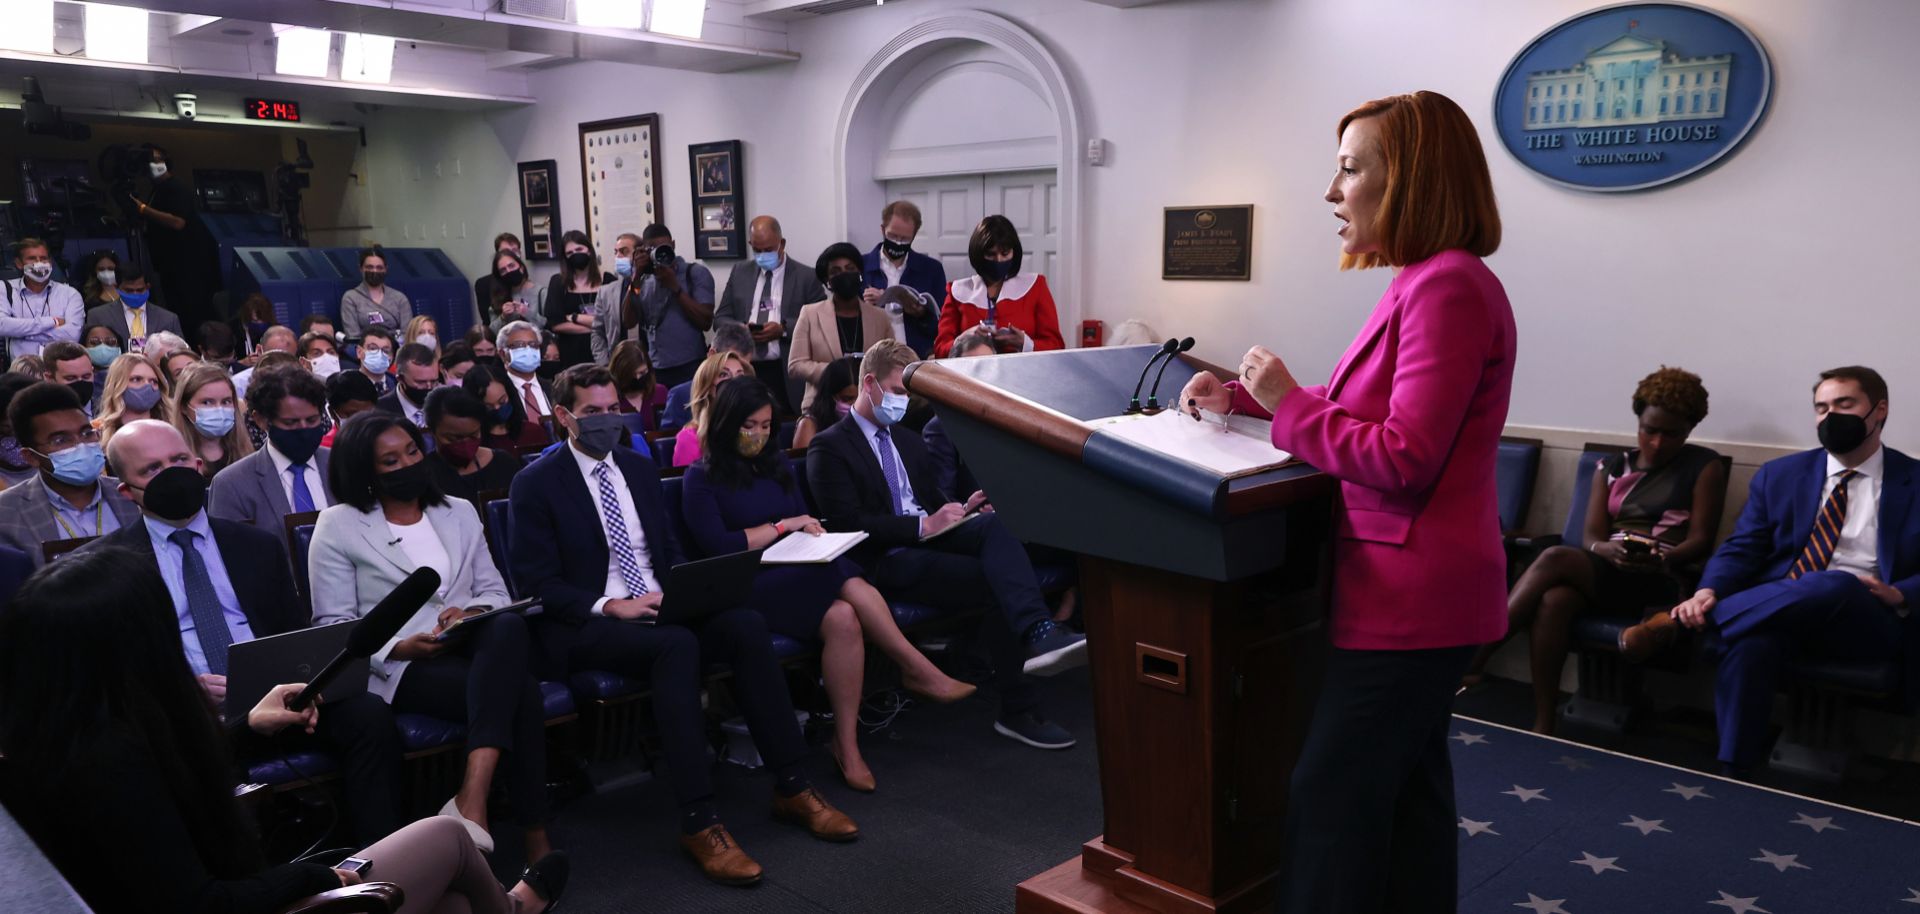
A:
(408, 483)
(83, 390)
(1843, 433)
(416, 397)
(512, 278)
(175, 493)
(895, 250)
(297, 444)
(579, 260)
(846, 285)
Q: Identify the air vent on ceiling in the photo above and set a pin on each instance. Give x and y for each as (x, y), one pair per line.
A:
(542, 9)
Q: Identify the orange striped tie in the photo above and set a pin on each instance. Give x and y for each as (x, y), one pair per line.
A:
(1826, 531)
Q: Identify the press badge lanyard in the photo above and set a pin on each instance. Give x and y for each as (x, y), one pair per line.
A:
(99, 520)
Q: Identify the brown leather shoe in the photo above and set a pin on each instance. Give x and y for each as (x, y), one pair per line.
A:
(719, 857)
(810, 809)
(1640, 642)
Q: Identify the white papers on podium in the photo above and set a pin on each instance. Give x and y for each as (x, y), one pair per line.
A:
(1229, 445)
(806, 549)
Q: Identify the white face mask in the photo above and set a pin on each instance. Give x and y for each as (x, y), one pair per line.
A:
(326, 366)
(159, 169)
(38, 272)
(428, 340)
(105, 277)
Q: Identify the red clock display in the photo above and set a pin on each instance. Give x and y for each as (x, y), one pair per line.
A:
(268, 109)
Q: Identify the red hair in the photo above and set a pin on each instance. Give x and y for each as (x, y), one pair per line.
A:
(1438, 194)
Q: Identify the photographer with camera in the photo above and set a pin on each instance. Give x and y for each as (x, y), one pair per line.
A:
(662, 300)
(179, 246)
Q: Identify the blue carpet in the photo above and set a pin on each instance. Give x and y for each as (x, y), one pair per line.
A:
(1553, 827)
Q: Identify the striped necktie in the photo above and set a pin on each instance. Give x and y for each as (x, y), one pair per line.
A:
(1826, 531)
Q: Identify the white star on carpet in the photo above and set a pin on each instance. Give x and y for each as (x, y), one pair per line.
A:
(1817, 823)
(1646, 826)
(1691, 793)
(1468, 739)
(1570, 763)
(1542, 905)
(1475, 828)
(1740, 905)
(1915, 899)
(1783, 861)
(1528, 793)
(1598, 864)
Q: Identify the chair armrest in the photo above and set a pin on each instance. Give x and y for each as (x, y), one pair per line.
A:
(365, 898)
(1539, 543)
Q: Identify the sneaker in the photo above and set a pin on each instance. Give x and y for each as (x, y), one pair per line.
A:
(1052, 649)
(1035, 731)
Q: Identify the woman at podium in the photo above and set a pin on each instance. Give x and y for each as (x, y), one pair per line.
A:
(1409, 424)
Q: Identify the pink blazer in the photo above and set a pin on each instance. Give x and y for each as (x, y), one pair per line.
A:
(1410, 425)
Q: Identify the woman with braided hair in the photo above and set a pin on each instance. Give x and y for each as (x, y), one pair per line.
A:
(1653, 514)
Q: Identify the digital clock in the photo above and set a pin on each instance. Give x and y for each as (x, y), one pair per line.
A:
(268, 109)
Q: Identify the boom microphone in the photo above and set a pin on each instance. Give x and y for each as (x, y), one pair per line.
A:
(1166, 349)
(1153, 396)
(376, 628)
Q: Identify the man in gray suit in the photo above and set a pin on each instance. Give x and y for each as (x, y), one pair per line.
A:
(767, 295)
(132, 317)
(69, 498)
(289, 475)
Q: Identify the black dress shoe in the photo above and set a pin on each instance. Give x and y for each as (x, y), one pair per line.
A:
(548, 878)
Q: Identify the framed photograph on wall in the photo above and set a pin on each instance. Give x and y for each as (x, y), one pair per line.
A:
(719, 199)
(620, 176)
(539, 212)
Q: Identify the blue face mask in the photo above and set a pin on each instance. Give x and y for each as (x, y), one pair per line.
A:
(767, 260)
(103, 354)
(525, 361)
(998, 270)
(135, 300)
(504, 413)
(78, 465)
(377, 361)
(214, 421)
(623, 266)
(891, 409)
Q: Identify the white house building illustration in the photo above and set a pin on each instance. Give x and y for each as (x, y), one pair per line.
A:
(1630, 80)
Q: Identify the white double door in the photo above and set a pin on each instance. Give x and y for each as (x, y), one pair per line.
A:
(951, 206)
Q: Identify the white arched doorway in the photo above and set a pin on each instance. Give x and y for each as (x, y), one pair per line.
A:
(969, 99)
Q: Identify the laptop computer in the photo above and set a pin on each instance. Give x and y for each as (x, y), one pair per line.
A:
(696, 590)
(255, 667)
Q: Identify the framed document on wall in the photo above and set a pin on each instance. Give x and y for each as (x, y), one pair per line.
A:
(539, 211)
(620, 177)
(719, 200)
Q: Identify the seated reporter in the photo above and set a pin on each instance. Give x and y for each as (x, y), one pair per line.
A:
(641, 392)
(508, 425)
(133, 392)
(118, 767)
(462, 466)
(728, 336)
(1824, 563)
(743, 495)
(390, 521)
(349, 394)
(292, 472)
(68, 498)
(205, 410)
(592, 540)
(419, 370)
(1652, 513)
(230, 583)
(718, 369)
(830, 401)
(950, 473)
(872, 474)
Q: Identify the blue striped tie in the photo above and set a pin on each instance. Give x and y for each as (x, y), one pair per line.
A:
(209, 620)
(889, 466)
(617, 534)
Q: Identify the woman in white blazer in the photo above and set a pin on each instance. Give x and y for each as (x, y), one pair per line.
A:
(390, 519)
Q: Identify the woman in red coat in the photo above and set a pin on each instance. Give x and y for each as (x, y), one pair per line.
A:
(1409, 424)
(1017, 306)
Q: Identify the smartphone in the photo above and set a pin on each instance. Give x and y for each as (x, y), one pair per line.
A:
(359, 866)
(756, 328)
(1635, 545)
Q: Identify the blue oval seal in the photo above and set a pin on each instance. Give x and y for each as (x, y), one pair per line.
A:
(1633, 96)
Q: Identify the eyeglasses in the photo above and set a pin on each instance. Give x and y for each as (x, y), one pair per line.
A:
(61, 441)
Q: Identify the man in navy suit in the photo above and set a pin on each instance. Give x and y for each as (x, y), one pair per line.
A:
(237, 586)
(893, 262)
(1825, 561)
(592, 540)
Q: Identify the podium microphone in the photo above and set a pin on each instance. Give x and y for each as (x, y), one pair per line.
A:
(1153, 396)
(1166, 349)
(378, 626)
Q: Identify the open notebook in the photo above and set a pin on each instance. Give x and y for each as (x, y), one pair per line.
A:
(1229, 445)
(798, 548)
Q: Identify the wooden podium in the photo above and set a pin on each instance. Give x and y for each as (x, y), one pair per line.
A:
(1204, 599)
